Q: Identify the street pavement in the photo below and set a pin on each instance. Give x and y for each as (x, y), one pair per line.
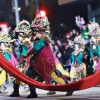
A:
(88, 94)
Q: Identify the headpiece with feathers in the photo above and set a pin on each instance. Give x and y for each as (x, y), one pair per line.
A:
(24, 29)
(94, 30)
(41, 23)
(4, 37)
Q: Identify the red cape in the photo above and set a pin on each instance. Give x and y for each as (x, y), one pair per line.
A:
(46, 62)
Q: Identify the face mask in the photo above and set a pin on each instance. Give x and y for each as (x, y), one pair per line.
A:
(76, 47)
(20, 38)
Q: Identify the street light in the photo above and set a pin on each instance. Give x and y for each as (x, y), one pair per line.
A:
(37, 6)
(17, 9)
(42, 13)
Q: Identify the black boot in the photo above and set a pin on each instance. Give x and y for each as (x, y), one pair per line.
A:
(51, 93)
(69, 93)
(33, 93)
(16, 91)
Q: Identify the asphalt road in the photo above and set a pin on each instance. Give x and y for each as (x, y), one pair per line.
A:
(88, 94)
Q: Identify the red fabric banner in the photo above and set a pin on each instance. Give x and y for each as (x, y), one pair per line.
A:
(85, 83)
(45, 63)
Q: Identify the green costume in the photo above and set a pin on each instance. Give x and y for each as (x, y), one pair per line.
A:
(98, 50)
(77, 58)
(7, 55)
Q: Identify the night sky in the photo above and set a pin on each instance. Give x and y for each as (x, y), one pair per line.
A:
(65, 14)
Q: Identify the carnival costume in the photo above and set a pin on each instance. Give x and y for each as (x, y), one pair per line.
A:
(42, 50)
(94, 29)
(78, 67)
(2, 72)
(5, 49)
(22, 44)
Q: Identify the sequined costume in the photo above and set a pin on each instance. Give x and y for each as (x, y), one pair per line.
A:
(22, 44)
(41, 29)
(94, 30)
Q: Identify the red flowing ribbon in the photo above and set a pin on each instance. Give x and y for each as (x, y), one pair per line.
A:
(84, 83)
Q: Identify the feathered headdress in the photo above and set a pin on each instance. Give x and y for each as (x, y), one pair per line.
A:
(6, 40)
(4, 37)
(41, 23)
(94, 30)
(23, 28)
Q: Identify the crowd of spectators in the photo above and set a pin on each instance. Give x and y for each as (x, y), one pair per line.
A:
(62, 48)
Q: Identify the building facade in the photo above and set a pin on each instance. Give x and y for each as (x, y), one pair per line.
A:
(7, 10)
(92, 7)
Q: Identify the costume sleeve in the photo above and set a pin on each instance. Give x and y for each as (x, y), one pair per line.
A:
(98, 50)
(39, 45)
(7, 56)
(80, 58)
(25, 49)
(73, 58)
(91, 51)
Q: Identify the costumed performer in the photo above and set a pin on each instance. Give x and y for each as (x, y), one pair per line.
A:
(41, 54)
(22, 43)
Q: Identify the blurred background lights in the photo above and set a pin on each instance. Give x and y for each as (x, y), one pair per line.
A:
(42, 13)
